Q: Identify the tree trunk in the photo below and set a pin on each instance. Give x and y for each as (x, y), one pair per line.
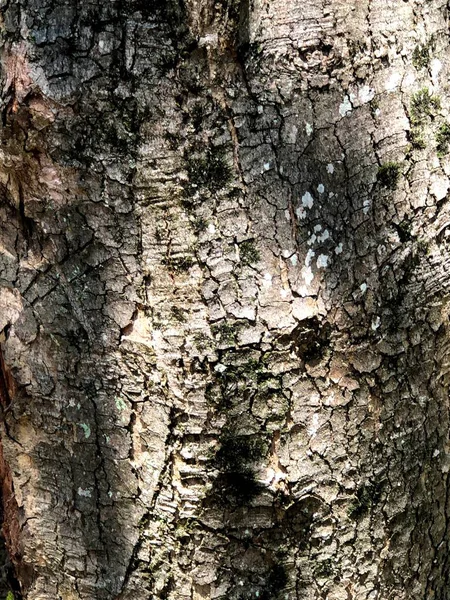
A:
(224, 299)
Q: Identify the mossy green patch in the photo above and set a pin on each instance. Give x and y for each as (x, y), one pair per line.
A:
(443, 139)
(210, 170)
(421, 57)
(423, 104)
(199, 225)
(417, 138)
(249, 253)
(179, 264)
(388, 175)
(226, 332)
(324, 569)
(202, 341)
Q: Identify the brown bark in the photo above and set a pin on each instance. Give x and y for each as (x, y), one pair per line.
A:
(223, 265)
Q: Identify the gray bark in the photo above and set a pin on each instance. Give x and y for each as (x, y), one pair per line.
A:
(224, 299)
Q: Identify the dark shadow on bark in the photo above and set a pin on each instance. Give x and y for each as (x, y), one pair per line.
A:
(83, 126)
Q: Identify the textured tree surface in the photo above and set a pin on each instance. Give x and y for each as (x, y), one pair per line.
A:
(224, 299)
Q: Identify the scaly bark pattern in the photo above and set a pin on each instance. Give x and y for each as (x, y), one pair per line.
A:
(224, 316)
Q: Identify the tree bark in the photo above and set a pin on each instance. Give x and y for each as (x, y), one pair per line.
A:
(224, 299)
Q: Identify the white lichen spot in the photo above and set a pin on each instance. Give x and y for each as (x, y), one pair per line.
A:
(330, 168)
(220, 368)
(331, 194)
(366, 206)
(377, 112)
(307, 275)
(260, 109)
(267, 280)
(366, 94)
(266, 166)
(439, 187)
(321, 188)
(436, 67)
(309, 256)
(209, 40)
(393, 82)
(325, 236)
(312, 240)
(287, 215)
(120, 403)
(110, 493)
(211, 228)
(87, 430)
(436, 453)
(322, 261)
(269, 477)
(291, 136)
(84, 493)
(339, 248)
(314, 427)
(346, 107)
(307, 200)
(317, 227)
(294, 260)
(309, 129)
(363, 288)
(300, 212)
(409, 79)
(376, 322)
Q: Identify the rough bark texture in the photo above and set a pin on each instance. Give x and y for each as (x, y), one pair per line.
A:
(224, 299)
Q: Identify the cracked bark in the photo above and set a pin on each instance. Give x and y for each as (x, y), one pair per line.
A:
(224, 299)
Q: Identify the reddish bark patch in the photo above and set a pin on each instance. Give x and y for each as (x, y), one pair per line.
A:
(10, 525)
